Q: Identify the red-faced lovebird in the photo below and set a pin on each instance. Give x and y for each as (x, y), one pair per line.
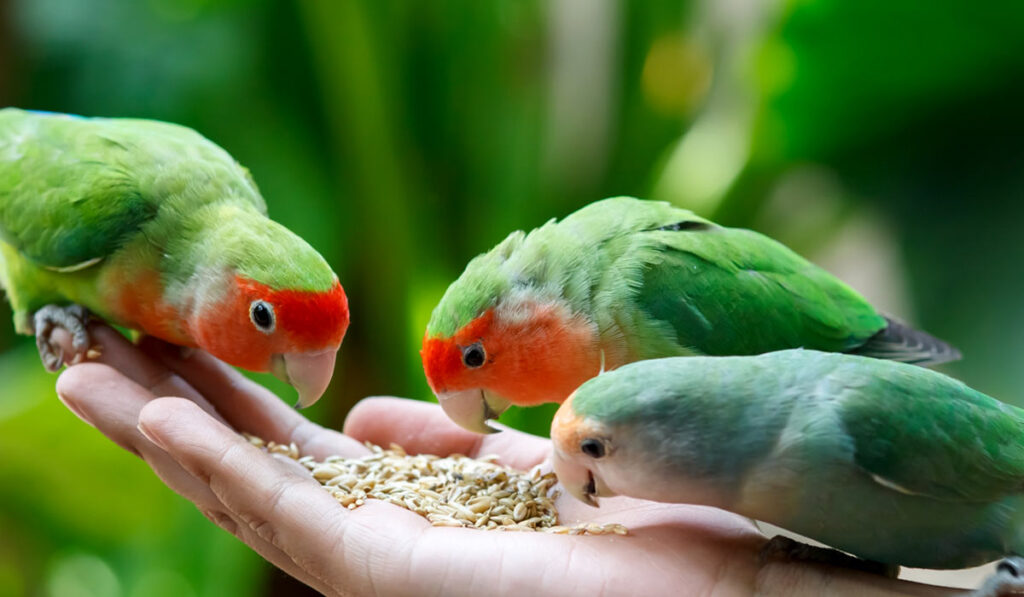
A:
(623, 280)
(150, 226)
(889, 462)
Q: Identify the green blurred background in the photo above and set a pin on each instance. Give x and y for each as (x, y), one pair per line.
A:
(882, 139)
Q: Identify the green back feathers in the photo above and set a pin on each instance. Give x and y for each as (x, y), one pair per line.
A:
(58, 207)
(74, 190)
(668, 282)
(933, 435)
(567, 260)
(733, 291)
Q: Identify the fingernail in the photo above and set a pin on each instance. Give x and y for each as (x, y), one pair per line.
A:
(151, 437)
(70, 404)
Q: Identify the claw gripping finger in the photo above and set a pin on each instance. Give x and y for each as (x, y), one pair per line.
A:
(74, 320)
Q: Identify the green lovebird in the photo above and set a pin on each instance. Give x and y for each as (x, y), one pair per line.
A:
(890, 462)
(623, 280)
(152, 227)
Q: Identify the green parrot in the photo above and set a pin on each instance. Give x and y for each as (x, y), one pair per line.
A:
(623, 280)
(889, 462)
(150, 226)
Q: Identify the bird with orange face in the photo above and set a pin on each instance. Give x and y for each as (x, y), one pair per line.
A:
(623, 280)
(153, 227)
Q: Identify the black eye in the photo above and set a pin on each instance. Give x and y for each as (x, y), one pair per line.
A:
(592, 447)
(473, 355)
(262, 315)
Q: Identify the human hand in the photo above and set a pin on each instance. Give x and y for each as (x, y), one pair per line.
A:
(181, 415)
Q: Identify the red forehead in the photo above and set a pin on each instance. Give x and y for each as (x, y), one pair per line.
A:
(312, 319)
(442, 357)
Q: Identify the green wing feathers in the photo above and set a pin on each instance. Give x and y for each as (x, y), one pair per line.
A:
(733, 291)
(74, 189)
(728, 291)
(670, 283)
(932, 435)
(56, 209)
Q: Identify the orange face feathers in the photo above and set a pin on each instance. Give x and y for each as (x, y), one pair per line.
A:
(443, 358)
(538, 353)
(253, 322)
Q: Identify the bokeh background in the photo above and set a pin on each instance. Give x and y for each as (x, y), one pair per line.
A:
(884, 140)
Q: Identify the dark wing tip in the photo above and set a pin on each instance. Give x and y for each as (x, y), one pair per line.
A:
(900, 342)
(686, 226)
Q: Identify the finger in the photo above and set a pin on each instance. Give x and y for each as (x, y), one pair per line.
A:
(422, 427)
(226, 521)
(117, 352)
(248, 406)
(111, 402)
(349, 551)
(106, 399)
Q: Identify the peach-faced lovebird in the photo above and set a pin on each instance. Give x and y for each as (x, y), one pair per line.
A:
(889, 462)
(623, 280)
(153, 227)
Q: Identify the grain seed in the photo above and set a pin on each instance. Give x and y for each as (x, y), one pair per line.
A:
(453, 491)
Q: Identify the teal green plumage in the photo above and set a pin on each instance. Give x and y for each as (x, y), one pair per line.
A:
(887, 461)
(151, 226)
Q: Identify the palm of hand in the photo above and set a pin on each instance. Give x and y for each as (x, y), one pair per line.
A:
(274, 506)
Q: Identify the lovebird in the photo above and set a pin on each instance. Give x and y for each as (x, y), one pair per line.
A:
(623, 280)
(887, 461)
(152, 227)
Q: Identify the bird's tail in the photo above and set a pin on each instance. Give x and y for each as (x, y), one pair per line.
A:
(900, 342)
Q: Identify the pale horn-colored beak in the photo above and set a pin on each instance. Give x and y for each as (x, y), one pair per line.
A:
(576, 479)
(473, 409)
(308, 372)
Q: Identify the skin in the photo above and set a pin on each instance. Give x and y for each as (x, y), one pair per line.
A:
(623, 280)
(180, 416)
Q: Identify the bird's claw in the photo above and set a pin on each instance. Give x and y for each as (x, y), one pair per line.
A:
(1007, 580)
(74, 319)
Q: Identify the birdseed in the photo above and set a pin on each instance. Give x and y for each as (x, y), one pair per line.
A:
(454, 491)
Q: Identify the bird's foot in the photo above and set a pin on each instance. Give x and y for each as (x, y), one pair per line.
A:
(74, 319)
(784, 549)
(1007, 580)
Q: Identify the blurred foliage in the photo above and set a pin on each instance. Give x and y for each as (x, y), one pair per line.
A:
(402, 138)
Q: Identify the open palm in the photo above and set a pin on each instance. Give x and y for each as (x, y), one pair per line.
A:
(181, 414)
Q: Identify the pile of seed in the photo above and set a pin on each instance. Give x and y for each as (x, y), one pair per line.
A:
(455, 491)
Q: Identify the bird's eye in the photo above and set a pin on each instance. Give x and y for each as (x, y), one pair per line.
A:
(592, 447)
(262, 315)
(473, 355)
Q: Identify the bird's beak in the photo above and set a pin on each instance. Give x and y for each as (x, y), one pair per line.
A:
(308, 372)
(577, 480)
(473, 409)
